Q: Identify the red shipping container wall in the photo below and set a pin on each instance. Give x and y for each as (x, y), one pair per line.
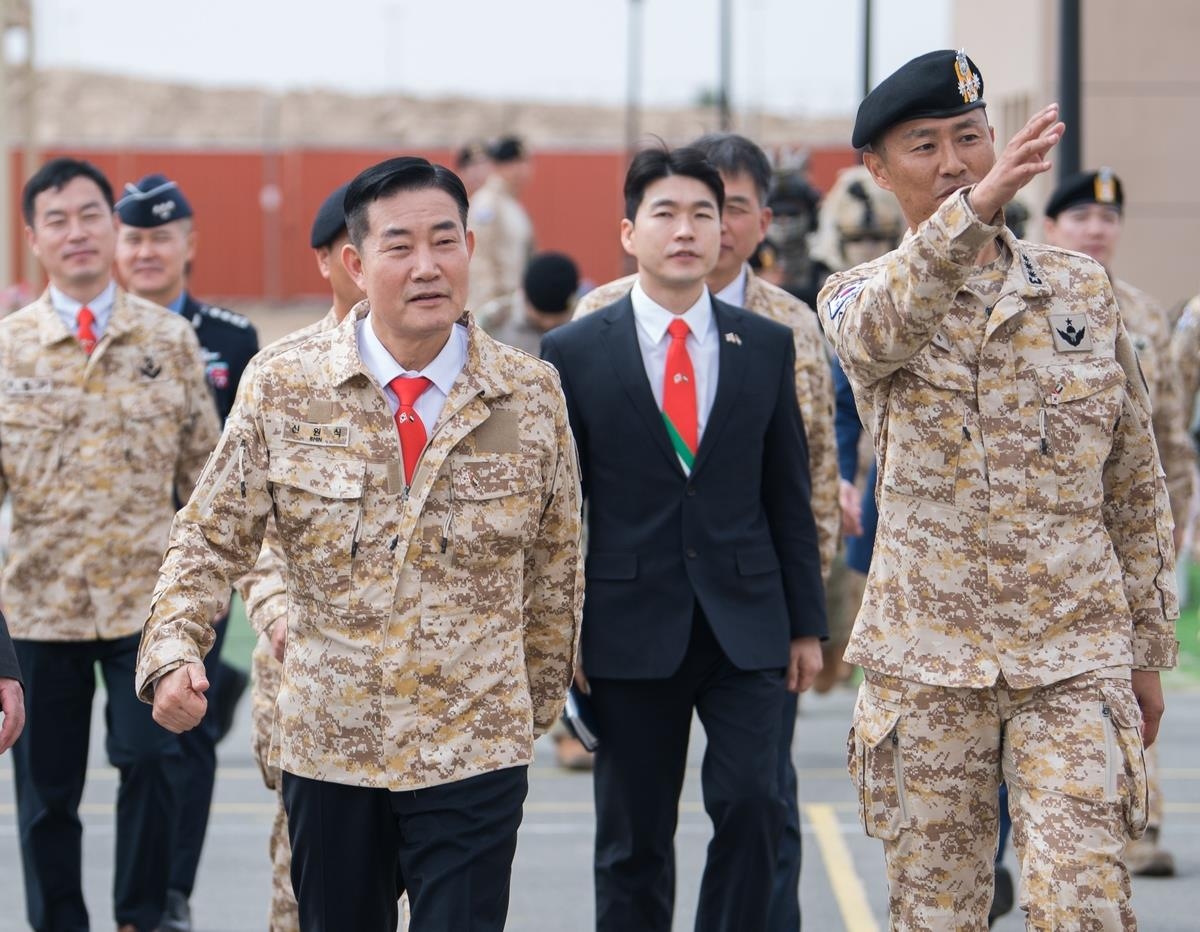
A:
(254, 209)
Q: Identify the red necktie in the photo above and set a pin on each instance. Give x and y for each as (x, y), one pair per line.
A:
(408, 422)
(87, 336)
(679, 395)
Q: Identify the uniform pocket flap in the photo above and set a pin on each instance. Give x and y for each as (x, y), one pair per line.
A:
(946, 372)
(1123, 706)
(874, 722)
(493, 477)
(754, 560)
(32, 410)
(325, 476)
(611, 566)
(1060, 384)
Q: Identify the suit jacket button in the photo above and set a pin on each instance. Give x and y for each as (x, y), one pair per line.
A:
(691, 490)
(691, 553)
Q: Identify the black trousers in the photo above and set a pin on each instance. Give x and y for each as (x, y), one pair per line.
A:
(50, 764)
(784, 913)
(644, 727)
(356, 849)
(195, 779)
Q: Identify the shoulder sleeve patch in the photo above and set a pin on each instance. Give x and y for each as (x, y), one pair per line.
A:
(841, 299)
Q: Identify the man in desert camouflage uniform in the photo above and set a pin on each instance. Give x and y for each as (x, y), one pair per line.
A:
(746, 173)
(104, 417)
(502, 228)
(433, 588)
(1021, 598)
(264, 589)
(1084, 215)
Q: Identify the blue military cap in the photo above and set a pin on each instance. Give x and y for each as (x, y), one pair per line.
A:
(330, 219)
(1098, 187)
(151, 202)
(944, 83)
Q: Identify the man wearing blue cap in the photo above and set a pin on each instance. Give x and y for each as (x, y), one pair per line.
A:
(156, 245)
(1021, 599)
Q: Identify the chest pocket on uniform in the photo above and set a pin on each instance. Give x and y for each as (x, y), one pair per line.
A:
(495, 504)
(152, 413)
(1080, 405)
(927, 418)
(318, 510)
(31, 441)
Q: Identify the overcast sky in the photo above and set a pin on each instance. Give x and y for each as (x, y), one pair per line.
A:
(799, 57)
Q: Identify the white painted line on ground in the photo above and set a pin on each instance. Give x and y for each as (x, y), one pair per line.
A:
(847, 885)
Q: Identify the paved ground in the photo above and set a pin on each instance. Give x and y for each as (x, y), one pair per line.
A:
(842, 885)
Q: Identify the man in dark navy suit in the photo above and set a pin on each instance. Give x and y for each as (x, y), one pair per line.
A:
(703, 577)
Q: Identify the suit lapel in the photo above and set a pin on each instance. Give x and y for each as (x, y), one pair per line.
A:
(731, 371)
(621, 342)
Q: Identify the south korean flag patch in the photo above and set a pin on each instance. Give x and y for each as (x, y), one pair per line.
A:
(841, 299)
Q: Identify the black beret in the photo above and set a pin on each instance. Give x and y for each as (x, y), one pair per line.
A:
(1099, 187)
(551, 280)
(330, 219)
(507, 149)
(944, 83)
(151, 202)
(471, 153)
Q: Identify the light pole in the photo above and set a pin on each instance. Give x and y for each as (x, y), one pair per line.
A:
(725, 38)
(1070, 63)
(633, 78)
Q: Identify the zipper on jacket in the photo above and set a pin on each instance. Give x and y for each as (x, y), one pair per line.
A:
(1042, 430)
(449, 518)
(242, 469)
(357, 531)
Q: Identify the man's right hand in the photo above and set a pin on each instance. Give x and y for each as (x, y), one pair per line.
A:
(12, 702)
(851, 503)
(276, 633)
(1023, 159)
(581, 681)
(179, 703)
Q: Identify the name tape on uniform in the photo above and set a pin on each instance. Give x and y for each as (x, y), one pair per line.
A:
(323, 435)
(28, 386)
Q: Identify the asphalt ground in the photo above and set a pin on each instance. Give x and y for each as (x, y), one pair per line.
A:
(842, 885)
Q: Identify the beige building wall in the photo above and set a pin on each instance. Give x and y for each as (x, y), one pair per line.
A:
(1141, 115)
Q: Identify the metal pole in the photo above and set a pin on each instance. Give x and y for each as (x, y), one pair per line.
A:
(1070, 58)
(725, 38)
(866, 59)
(32, 268)
(633, 78)
(6, 217)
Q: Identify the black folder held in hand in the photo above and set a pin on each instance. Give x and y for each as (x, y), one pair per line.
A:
(580, 718)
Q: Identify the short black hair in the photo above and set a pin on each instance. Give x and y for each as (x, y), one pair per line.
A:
(405, 173)
(737, 155)
(649, 165)
(56, 175)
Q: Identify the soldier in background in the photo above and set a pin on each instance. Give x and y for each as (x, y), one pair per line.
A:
(156, 246)
(473, 165)
(793, 204)
(858, 222)
(425, 490)
(503, 231)
(1021, 600)
(1084, 214)
(544, 301)
(104, 419)
(746, 174)
(264, 589)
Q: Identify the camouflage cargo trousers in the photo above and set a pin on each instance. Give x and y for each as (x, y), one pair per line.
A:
(927, 762)
(267, 673)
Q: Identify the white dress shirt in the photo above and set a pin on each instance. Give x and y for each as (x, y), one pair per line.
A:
(703, 346)
(101, 306)
(735, 292)
(442, 372)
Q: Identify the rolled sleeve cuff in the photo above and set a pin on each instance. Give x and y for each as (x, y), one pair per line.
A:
(1155, 653)
(267, 612)
(163, 659)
